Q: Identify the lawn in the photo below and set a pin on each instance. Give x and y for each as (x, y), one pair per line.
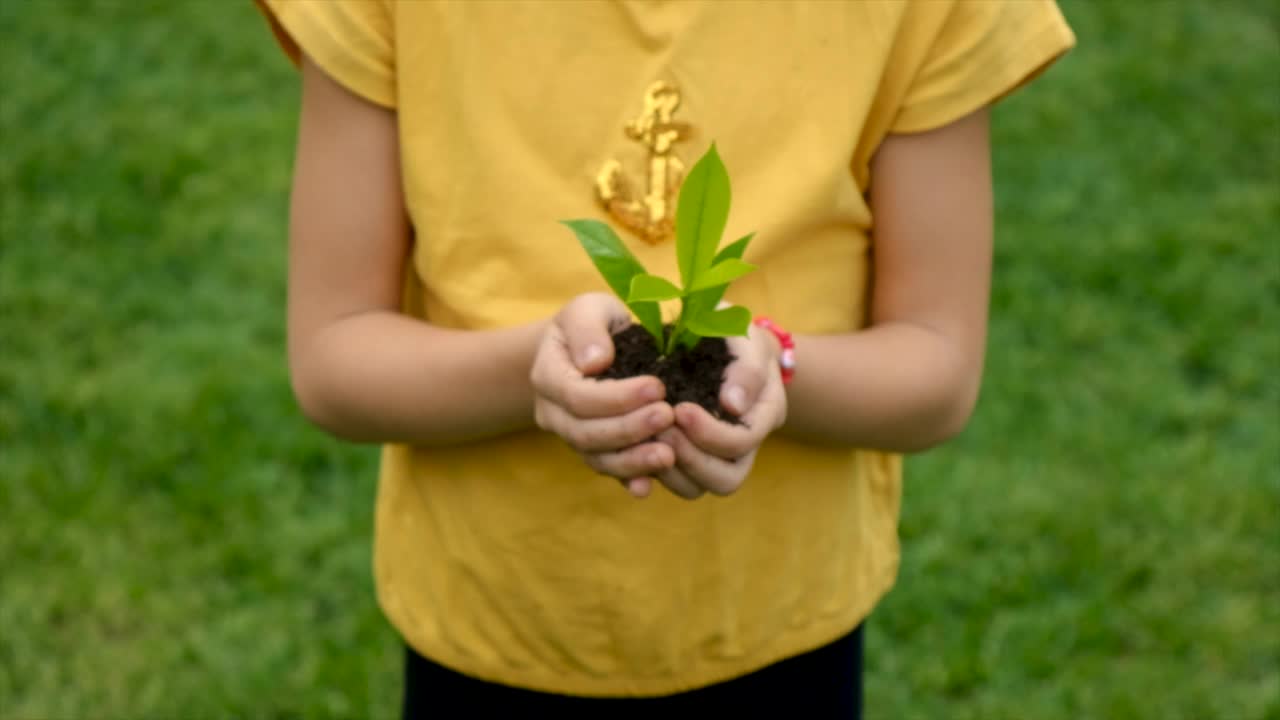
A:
(175, 542)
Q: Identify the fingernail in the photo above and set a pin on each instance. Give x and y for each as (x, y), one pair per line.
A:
(590, 355)
(735, 397)
(652, 392)
(657, 420)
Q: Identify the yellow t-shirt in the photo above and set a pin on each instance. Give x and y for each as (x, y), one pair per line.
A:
(508, 559)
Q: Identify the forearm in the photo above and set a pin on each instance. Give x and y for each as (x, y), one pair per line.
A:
(385, 377)
(895, 386)
(910, 381)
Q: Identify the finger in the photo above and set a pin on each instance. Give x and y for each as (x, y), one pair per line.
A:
(743, 382)
(645, 460)
(770, 411)
(639, 488)
(608, 434)
(715, 475)
(680, 485)
(586, 323)
(746, 376)
(716, 437)
(556, 379)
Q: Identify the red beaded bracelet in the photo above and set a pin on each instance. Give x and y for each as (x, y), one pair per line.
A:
(786, 360)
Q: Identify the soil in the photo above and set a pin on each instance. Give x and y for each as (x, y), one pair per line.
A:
(692, 375)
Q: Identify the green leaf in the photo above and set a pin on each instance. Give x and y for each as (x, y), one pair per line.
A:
(701, 301)
(701, 215)
(614, 261)
(618, 266)
(652, 288)
(726, 322)
(650, 317)
(722, 274)
(735, 249)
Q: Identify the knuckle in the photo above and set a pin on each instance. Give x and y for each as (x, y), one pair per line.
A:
(645, 461)
(637, 429)
(592, 437)
(578, 437)
(709, 441)
(577, 399)
(635, 461)
(596, 463)
(642, 468)
(735, 451)
(612, 464)
(571, 399)
(622, 434)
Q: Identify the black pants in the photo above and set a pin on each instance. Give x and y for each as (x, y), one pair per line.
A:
(824, 683)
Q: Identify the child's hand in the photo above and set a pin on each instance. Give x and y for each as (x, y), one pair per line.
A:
(715, 456)
(607, 421)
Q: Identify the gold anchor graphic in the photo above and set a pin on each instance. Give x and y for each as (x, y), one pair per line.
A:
(651, 216)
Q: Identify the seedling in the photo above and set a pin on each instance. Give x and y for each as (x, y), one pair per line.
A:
(705, 274)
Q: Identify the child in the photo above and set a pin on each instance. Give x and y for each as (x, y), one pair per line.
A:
(437, 307)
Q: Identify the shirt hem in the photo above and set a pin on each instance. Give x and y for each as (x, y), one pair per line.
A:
(797, 642)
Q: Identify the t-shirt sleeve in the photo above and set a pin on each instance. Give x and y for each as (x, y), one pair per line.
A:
(971, 53)
(353, 41)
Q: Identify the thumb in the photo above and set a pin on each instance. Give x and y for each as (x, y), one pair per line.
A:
(745, 377)
(586, 323)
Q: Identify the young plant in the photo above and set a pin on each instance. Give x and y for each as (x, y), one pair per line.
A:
(701, 214)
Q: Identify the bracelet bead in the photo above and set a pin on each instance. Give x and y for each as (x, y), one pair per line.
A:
(787, 358)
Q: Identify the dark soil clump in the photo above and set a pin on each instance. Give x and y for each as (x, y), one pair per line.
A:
(693, 375)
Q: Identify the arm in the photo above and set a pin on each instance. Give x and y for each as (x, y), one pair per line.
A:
(910, 381)
(360, 369)
(364, 371)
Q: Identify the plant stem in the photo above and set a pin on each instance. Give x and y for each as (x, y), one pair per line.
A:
(675, 331)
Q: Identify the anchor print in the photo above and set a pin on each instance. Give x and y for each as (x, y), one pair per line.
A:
(652, 215)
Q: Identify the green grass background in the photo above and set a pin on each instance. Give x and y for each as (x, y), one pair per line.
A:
(1103, 542)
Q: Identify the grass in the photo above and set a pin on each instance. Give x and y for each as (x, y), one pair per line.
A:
(175, 542)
